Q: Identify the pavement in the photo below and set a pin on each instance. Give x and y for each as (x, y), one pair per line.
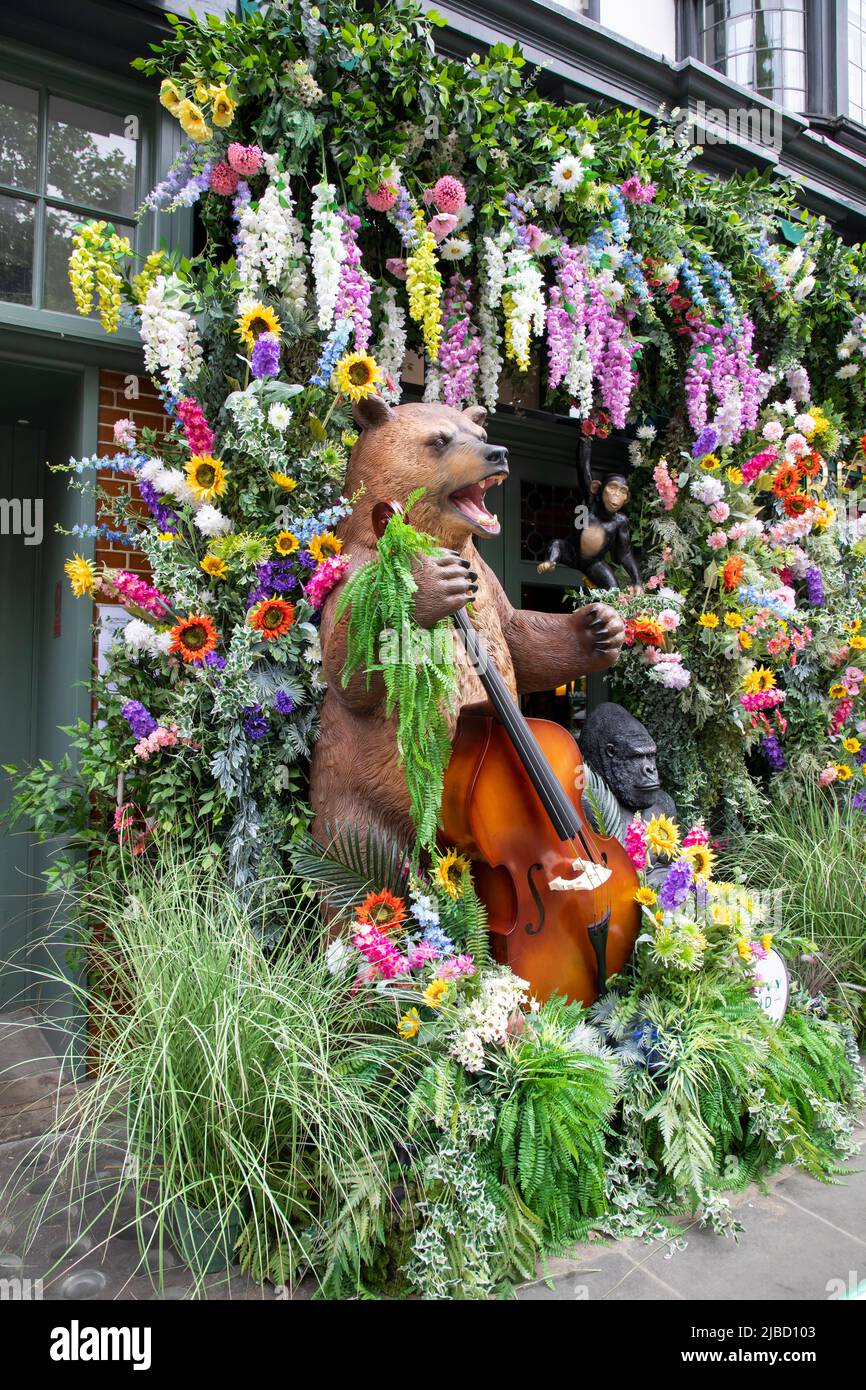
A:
(76, 1239)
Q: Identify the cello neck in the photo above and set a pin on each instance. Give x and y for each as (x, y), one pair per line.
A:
(560, 810)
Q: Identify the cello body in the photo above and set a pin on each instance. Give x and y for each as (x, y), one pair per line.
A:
(564, 942)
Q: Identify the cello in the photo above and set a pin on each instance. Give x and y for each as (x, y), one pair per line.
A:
(559, 896)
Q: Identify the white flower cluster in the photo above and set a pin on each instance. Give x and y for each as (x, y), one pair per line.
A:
(484, 1019)
(268, 239)
(170, 480)
(140, 638)
(172, 348)
(391, 348)
(524, 294)
(490, 359)
(495, 270)
(578, 376)
(327, 252)
(852, 345)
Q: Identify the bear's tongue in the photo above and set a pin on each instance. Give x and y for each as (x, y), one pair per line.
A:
(469, 501)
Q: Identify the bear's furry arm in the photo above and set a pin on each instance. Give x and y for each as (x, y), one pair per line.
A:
(356, 694)
(550, 649)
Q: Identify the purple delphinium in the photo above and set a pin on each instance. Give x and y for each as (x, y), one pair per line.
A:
(306, 558)
(265, 360)
(273, 577)
(255, 724)
(814, 586)
(706, 442)
(215, 661)
(675, 889)
(166, 519)
(283, 703)
(860, 757)
(773, 752)
(858, 801)
(139, 719)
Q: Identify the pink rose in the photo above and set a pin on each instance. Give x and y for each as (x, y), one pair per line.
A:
(827, 776)
(719, 512)
(717, 540)
(668, 620)
(796, 444)
(772, 431)
(442, 224)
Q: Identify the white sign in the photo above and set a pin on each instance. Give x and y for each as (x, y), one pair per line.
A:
(772, 986)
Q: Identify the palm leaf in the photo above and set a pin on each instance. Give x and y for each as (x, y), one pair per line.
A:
(355, 863)
(600, 804)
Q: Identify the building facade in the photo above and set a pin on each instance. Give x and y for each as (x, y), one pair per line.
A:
(769, 84)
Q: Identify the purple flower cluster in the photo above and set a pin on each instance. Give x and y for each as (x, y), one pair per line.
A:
(165, 518)
(858, 801)
(773, 752)
(675, 889)
(461, 344)
(265, 360)
(566, 316)
(814, 586)
(355, 289)
(283, 702)
(273, 577)
(722, 364)
(139, 719)
(255, 724)
(517, 212)
(706, 442)
(215, 661)
(610, 354)
(401, 216)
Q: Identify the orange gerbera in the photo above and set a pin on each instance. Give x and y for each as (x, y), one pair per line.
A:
(194, 636)
(382, 910)
(648, 632)
(733, 571)
(272, 617)
(796, 503)
(785, 479)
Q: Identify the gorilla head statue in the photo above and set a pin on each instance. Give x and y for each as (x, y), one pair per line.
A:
(619, 748)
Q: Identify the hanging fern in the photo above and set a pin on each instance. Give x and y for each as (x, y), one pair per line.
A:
(422, 682)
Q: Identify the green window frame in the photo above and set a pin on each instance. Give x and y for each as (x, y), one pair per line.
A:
(61, 81)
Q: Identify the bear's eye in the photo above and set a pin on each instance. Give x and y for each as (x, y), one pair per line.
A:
(439, 441)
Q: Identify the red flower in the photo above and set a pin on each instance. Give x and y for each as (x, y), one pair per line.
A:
(733, 571)
(382, 910)
(796, 503)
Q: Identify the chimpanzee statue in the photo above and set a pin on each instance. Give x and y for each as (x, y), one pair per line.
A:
(600, 530)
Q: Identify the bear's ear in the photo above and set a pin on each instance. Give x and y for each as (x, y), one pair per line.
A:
(476, 413)
(370, 412)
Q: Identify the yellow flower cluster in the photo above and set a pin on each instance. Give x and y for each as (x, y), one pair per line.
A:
(96, 251)
(155, 265)
(191, 114)
(424, 286)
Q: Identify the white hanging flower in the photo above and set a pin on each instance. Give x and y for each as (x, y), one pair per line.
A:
(327, 252)
(391, 348)
(493, 278)
(169, 335)
(523, 298)
(567, 173)
(268, 245)
(432, 382)
(490, 358)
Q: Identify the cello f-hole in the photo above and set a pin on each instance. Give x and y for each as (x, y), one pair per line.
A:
(529, 928)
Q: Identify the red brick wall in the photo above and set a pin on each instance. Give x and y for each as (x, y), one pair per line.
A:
(146, 411)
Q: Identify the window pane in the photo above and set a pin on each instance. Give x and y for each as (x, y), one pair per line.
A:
(91, 159)
(19, 130)
(59, 226)
(16, 250)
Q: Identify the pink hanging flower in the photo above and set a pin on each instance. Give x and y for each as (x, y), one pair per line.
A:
(223, 179)
(138, 593)
(449, 195)
(163, 736)
(460, 351)
(636, 842)
(199, 435)
(397, 266)
(246, 160)
(325, 577)
(697, 835)
(665, 485)
(354, 294)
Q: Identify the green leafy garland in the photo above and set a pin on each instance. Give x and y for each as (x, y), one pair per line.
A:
(421, 680)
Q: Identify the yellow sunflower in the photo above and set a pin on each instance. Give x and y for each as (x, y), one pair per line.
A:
(843, 771)
(450, 873)
(857, 644)
(702, 860)
(286, 543)
(851, 745)
(646, 897)
(734, 619)
(759, 678)
(711, 462)
(284, 481)
(735, 476)
(206, 476)
(81, 575)
(662, 836)
(744, 949)
(216, 568)
(169, 96)
(744, 640)
(838, 692)
(855, 626)
(708, 620)
(256, 320)
(192, 121)
(322, 547)
(409, 1024)
(435, 994)
(358, 375)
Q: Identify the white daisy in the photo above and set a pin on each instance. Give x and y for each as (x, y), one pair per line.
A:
(456, 248)
(279, 415)
(567, 173)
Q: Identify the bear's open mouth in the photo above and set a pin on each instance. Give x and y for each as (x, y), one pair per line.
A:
(469, 502)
